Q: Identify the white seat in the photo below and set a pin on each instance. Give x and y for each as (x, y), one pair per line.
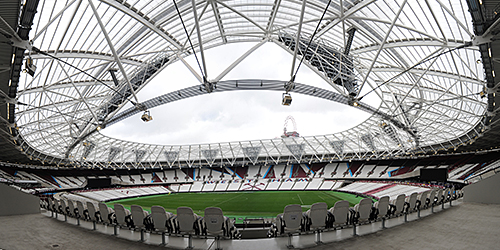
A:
(185, 223)
(292, 218)
(430, 200)
(122, 215)
(411, 202)
(185, 220)
(106, 213)
(382, 206)
(317, 216)
(93, 212)
(289, 222)
(421, 199)
(161, 219)
(138, 216)
(72, 209)
(397, 205)
(446, 195)
(340, 212)
(214, 221)
(362, 210)
(82, 210)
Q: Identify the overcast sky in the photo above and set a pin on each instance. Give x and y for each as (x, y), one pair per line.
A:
(236, 115)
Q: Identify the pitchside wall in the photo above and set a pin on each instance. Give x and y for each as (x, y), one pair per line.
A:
(14, 202)
(484, 191)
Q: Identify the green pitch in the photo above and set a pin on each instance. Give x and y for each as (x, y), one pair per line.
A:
(240, 204)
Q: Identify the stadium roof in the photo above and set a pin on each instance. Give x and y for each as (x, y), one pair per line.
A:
(430, 63)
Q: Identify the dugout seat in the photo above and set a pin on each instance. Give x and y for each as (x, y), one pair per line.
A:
(340, 213)
(93, 212)
(123, 216)
(82, 210)
(289, 222)
(186, 222)
(439, 198)
(217, 224)
(421, 199)
(162, 221)
(381, 207)
(411, 202)
(107, 214)
(361, 211)
(316, 218)
(397, 205)
(430, 198)
(72, 209)
(140, 219)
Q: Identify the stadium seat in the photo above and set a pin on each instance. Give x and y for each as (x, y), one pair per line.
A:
(289, 222)
(94, 214)
(411, 202)
(446, 196)
(107, 214)
(51, 205)
(361, 211)
(439, 198)
(340, 212)
(82, 210)
(162, 221)
(430, 199)
(140, 219)
(186, 222)
(123, 216)
(316, 219)
(381, 207)
(397, 205)
(72, 209)
(214, 222)
(421, 199)
(316, 216)
(62, 207)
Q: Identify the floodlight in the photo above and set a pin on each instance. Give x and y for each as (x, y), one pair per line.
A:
(287, 99)
(146, 117)
(29, 67)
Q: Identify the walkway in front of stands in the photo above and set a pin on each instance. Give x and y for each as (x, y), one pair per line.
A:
(462, 226)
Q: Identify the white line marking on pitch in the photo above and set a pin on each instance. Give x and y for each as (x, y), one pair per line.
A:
(301, 202)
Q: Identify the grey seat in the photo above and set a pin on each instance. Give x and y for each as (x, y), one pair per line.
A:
(138, 216)
(362, 211)
(397, 205)
(122, 215)
(340, 212)
(161, 219)
(382, 207)
(421, 199)
(185, 223)
(72, 208)
(106, 213)
(82, 210)
(411, 202)
(93, 212)
(439, 197)
(430, 198)
(290, 221)
(214, 221)
(317, 216)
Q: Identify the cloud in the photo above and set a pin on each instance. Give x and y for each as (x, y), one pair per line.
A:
(236, 115)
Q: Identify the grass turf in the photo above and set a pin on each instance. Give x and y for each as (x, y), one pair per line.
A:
(240, 204)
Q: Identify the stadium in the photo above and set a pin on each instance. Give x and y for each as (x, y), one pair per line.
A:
(403, 151)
